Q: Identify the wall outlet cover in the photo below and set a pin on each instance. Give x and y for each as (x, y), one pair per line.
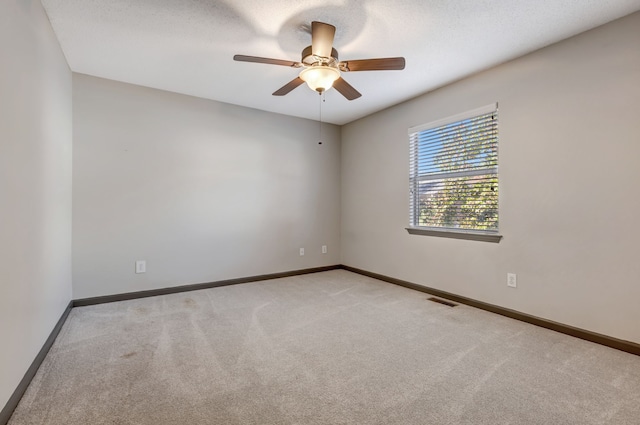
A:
(141, 266)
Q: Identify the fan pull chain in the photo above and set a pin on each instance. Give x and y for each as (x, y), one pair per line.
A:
(320, 110)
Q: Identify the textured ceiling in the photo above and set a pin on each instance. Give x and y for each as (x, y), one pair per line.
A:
(187, 46)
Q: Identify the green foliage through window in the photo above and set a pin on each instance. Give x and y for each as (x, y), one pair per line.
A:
(454, 173)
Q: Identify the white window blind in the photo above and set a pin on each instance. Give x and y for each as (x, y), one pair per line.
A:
(454, 172)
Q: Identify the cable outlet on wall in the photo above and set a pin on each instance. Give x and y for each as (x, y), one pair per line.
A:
(512, 281)
(141, 266)
(301, 252)
(324, 249)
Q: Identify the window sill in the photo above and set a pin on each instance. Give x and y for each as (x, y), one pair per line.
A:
(445, 233)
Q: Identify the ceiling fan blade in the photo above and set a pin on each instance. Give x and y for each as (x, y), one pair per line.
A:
(288, 87)
(322, 39)
(243, 58)
(382, 64)
(346, 89)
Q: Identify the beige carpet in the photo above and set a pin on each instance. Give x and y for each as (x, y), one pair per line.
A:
(324, 348)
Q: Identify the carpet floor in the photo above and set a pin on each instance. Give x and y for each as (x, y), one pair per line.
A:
(324, 348)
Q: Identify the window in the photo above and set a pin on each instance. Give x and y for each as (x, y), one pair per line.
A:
(454, 175)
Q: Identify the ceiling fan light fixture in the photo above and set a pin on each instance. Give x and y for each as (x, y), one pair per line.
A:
(321, 67)
(320, 78)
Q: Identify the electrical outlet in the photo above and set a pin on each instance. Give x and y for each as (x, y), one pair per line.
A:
(301, 252)
(324, 249)
(141, 266)
(511, 280)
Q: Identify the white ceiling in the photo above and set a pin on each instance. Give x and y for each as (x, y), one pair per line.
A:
(187, 46)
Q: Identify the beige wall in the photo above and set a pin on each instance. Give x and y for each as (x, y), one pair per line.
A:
(35, 187)
(201, 190)
(569, 175)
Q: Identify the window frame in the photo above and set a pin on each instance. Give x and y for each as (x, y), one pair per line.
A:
(488, 235)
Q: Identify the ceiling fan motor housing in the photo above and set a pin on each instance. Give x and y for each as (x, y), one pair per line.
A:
(308, 58)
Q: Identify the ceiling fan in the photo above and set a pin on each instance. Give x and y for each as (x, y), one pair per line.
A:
(321, 67)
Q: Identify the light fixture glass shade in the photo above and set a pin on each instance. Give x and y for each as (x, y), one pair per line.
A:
(320, 77)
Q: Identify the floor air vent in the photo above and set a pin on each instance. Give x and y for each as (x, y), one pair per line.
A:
(443, 302)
